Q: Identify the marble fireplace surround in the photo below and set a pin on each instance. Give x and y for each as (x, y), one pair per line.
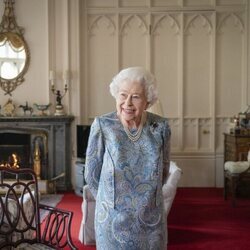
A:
(56, 130)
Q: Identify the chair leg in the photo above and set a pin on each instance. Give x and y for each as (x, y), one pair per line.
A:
(234, 188)
(225, 188)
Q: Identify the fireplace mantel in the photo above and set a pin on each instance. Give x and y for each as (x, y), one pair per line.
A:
(58, 129)
(28, 118)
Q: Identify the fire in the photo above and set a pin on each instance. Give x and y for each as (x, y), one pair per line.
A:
(12, 163)
(15, 161)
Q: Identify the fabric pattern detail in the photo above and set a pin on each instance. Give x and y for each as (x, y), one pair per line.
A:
(126, 179)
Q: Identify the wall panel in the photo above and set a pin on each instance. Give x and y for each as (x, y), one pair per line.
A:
(101, 30)
(199, 3)
(197, 51)
(174, 124)
(100, 3)
(134, 3)
(133, 41)
(222, 126)
(166, 3)
(165, 40)
(230, 2)
(100, 37)
(190, 135)
(229, 66)
(204, 135)
(197, 63)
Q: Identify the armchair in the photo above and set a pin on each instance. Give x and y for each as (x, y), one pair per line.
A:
(234, 174)
(20, 226)
(236, 165)
(87, 231)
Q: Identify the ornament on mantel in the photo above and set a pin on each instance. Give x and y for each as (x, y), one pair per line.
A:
(26, 108)
(58, 93)
(9, 108)
(42, 108)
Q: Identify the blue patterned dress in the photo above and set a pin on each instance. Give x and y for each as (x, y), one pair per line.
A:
(125, 178)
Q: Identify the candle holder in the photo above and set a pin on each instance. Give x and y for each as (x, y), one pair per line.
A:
(59, 95)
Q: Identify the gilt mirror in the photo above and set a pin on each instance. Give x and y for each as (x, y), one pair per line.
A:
(14, 51)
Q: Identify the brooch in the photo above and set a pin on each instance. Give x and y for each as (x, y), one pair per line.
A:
(154, 125)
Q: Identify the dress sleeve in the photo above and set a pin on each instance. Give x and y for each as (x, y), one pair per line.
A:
(166, 150)
(94, 157)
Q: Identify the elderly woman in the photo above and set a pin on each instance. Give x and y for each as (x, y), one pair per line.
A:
(127, 161)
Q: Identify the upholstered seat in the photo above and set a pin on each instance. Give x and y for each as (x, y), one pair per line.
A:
(14, 217)
(87, 231)
(234, 172)
(237, 167)
(170, 187)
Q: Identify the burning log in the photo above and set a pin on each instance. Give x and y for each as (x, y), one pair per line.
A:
(12, 162)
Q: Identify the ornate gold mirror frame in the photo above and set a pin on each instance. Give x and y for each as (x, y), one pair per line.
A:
(14, 51)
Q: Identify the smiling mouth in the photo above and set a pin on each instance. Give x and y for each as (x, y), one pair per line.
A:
(128, 111)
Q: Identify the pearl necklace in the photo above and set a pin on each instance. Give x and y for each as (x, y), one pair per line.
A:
(135, 136)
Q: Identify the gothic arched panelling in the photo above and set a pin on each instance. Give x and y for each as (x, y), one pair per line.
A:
(198, 52)
(104, 19)
(136, 20)
(159, 20)
(229, 64)
(190, 140)
(236, 20)
(133, 40)
(165, 37)
(101, 63)
(197, 65)
(191, 22)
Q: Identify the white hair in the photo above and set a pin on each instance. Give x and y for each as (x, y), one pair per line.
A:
(139, 74)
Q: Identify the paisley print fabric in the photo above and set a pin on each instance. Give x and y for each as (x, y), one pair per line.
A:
(125, 178)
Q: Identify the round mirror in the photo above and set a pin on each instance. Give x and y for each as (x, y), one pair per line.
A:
(13, 55)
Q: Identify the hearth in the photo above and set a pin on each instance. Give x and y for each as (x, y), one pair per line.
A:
(39, 142)
(14, 144)
(24, 148)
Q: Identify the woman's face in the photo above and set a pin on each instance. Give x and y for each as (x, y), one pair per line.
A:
(131, 101)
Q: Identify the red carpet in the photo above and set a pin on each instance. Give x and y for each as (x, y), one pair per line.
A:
(199, 219)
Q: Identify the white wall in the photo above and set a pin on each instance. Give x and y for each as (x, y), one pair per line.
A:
(32, 15)
(199, 57)
(198, 52)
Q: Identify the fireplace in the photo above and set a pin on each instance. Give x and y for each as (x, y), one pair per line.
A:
(24, 148)
(42, 143)
(17, 144)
